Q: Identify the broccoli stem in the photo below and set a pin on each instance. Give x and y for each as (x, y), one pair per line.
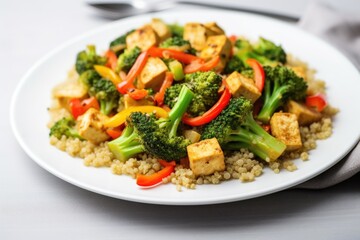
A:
(127, 145)
(106, 106)
(272, 101)
(184, 100)
(252, 136)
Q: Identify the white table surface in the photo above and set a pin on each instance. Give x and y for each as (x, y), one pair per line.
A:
(37, 205)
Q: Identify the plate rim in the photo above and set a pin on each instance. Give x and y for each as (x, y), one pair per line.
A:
(110, 25)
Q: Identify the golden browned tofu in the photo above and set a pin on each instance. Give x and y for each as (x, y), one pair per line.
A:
(160, 28)
(304, 114)
(239, 85)
(196, 34)
(218, 45)
(70, 89)
(144, 37)
(153, 74)
(285, 127)
(206, 157)
(90, 126)
(214, 28)
(130, 102)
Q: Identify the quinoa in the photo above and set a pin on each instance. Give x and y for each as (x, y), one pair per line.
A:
(242, 165)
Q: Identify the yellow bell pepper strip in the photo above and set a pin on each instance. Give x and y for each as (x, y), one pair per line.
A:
(259, 74)
(120, 117)
(127, 86)
(212, 113)
(318, 101)
(107, 73)
(111, 59)
(78, 106)
(202, 66)
(156, 178)
(159, 96)
(171, 53)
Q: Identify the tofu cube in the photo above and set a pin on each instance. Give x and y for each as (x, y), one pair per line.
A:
(153, 74)
(90, 126)
(144, 37)
(69, 89)
(160, 28)
(206, 157)
(196, 34)
(285, 127)
(218, 45)
(240, 85)
(214, 28)
(130, 102)
(304, 114)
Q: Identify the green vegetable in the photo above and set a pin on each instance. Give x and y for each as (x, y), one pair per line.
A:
(264, 51)
(156, 136)
(66, 127)
(86, 59)
(236, 128)
(281, 85)
(271, 51)
(103, 89)
(176, 30)
(175, 41)
(127, 59)
(176, 68)
(205, 86)
(119, 43)
(234, 64)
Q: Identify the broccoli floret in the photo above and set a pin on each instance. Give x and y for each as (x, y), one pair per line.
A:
(264, 51)
(102, 89)
(178, 43)
(234, 64)
(176, 30)
(86, 59)
(174, 41)
(205, 86)
(270, 50)
(145, 133)
(281, 85)
(119, 43)
(236, 128)
(127, 59)
(64, 126)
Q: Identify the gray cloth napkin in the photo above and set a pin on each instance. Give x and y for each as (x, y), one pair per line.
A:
(342, 30)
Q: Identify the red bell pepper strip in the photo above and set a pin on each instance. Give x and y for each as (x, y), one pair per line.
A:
(318, 101)
(259, 74)
(114, 132)
(202, 66)
(127, 86)
(232, 38)
(78, 107)
(159, 96)
(171, 53)
(156, 178)
(211, 113)
(137, 94)
(166, 163)
(111, 59)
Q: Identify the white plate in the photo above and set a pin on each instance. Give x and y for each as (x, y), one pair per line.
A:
(29, 114)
